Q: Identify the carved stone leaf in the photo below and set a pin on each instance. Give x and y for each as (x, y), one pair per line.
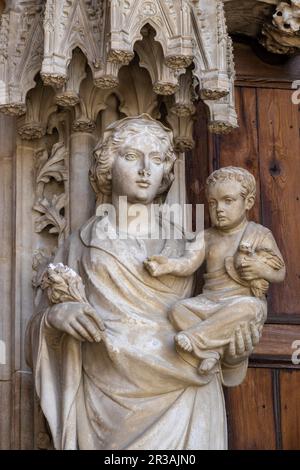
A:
(41, 258)
(55, 166)
(51, 214)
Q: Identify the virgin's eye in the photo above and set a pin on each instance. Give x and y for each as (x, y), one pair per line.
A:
(212, 203)
(130, 156)
(156, 160)
(228, 201)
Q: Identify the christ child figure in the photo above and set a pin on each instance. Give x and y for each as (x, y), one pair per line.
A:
(241, 257)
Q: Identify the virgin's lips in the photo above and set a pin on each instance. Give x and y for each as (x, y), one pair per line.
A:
(144, 183)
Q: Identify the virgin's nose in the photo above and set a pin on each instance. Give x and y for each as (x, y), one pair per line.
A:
(145, 166)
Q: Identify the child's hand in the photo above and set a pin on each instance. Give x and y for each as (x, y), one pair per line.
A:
(157, 265)
(251, 268)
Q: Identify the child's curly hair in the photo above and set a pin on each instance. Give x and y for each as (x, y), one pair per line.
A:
(241, 175)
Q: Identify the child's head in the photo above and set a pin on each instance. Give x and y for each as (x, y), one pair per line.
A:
(231, 193)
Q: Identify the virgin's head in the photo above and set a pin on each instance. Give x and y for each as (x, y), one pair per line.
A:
(134, 159)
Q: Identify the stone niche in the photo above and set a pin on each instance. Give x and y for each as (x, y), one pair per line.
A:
(67, 70)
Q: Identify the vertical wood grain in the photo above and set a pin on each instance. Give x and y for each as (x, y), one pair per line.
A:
(251, 420)
(279, 146)
(241, 146)
(197, 170)
(197, 161)
(290, 409)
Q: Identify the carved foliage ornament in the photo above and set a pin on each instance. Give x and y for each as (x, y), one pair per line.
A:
(50, 208)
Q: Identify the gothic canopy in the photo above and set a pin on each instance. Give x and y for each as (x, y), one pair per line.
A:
(183, 44)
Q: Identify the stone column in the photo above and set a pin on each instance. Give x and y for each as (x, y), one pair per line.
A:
(23, 305)
(7, 151)
(82, 196)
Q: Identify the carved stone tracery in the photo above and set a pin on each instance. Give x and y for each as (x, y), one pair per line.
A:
(109, 33)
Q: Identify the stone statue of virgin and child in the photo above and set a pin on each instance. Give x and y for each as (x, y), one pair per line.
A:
(123, 356)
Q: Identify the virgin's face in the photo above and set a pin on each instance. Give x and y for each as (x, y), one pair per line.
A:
(138, 168)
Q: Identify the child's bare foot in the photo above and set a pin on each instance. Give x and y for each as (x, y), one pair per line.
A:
(207, 365)
(183, 341)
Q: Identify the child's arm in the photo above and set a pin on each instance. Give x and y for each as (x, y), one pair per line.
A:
(184, 266)
(271, 269)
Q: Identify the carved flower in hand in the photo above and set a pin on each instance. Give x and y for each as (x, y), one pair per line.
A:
(63, 284)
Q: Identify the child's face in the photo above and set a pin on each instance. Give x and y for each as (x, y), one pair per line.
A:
(227, 206)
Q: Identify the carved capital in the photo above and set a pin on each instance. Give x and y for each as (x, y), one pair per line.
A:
(54, 80)
(107, 82)
(13, 109)
(67, 99)
(31, 131)
(183, 110)
(84, 125)
(183, 144)
(120, 57)
(178, 61)
(213, 94)
(220, 127)
(165, 88)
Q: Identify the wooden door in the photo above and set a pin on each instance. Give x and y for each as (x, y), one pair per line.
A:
(264, 412)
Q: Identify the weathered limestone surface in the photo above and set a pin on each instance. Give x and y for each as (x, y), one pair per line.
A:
(61, 85)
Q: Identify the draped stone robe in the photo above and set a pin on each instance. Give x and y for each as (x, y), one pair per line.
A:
(132, 390)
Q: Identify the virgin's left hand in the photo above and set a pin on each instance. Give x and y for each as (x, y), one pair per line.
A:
(245, 338)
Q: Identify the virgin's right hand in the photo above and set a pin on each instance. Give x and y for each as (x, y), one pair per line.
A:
(157, 265)
(77, 319)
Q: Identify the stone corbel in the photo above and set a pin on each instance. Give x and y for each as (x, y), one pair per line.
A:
(282, 36)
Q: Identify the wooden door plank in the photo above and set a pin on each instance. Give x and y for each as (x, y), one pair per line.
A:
(279, 148)
(251, 420)
(277, 343)
(240, 147)
(290, 409)
(273, 72)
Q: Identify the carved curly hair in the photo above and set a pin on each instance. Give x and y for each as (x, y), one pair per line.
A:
(241, 175)
(105, 152)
